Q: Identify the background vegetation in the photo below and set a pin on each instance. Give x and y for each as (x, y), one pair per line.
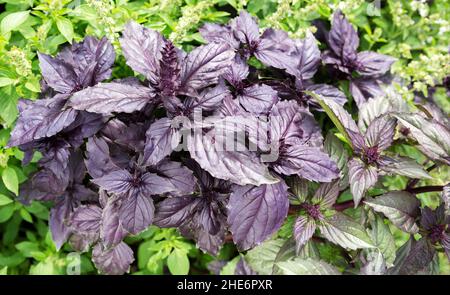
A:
(416, 32)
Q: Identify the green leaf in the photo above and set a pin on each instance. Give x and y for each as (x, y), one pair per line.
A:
(400, 207)
(404, 166)
(6, 212)
(383, 239)
(5, 81)
(299, 266)
(4, 200)
(13, 21)
(4, 271)
(230, 268)
(334, 147)
(344, 231)
(262, 258)
(8, 107)
(65, 27)
(25, 215)
(375, 263)
(10, 180)
(27, 248)
(433, 137)
(338, 115)
(178, 262)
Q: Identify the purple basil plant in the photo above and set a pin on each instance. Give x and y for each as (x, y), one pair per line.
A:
(121, 155)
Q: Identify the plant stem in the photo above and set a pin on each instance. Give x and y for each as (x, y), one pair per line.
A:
(344, 205)
(425, 189)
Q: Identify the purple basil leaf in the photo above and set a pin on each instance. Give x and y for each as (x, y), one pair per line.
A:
(58, 74)
(220, 34)
(328, 92)
(230, 107)
(179, 176)
(86, 219)
(236, 72)
(255, 213)
(136, 213)
(173, 212)
(329, 58)
(162, 139)
(112, 97)
(258, 99)
(43, 118)
(245, 28)
(364, 88)
(240, 167)
(307, 162)
(210, 243)
(98, 160)
(380, 132)
(93, 60)
(361, 178)
(112, 231)
(142, 49)
(374, 64)
(343, 39)
(113, 261)
(203, 66)
(292, 125)
(304, 229)
(306, 58)
(117, 182)
(272, 53)
(209, 99)
(59, 218)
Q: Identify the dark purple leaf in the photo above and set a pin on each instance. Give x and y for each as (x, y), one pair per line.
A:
(162, 139)
(173, 212)
(112, 231)
(113, 261)
(238, 166)
(218, 33)
(86, 219)
(236, 72)
(136, 213)
(112, 97)
(203, 66)
(306, 58)
(255, 213)
(59, 218)
(57, 73)
(98, 160)
(245, 28)
(374, 64)
(43, 118)
(258, 99)
(179, 176)
(343, 39)
(142, 50)
(364, 88)
(307, 162)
